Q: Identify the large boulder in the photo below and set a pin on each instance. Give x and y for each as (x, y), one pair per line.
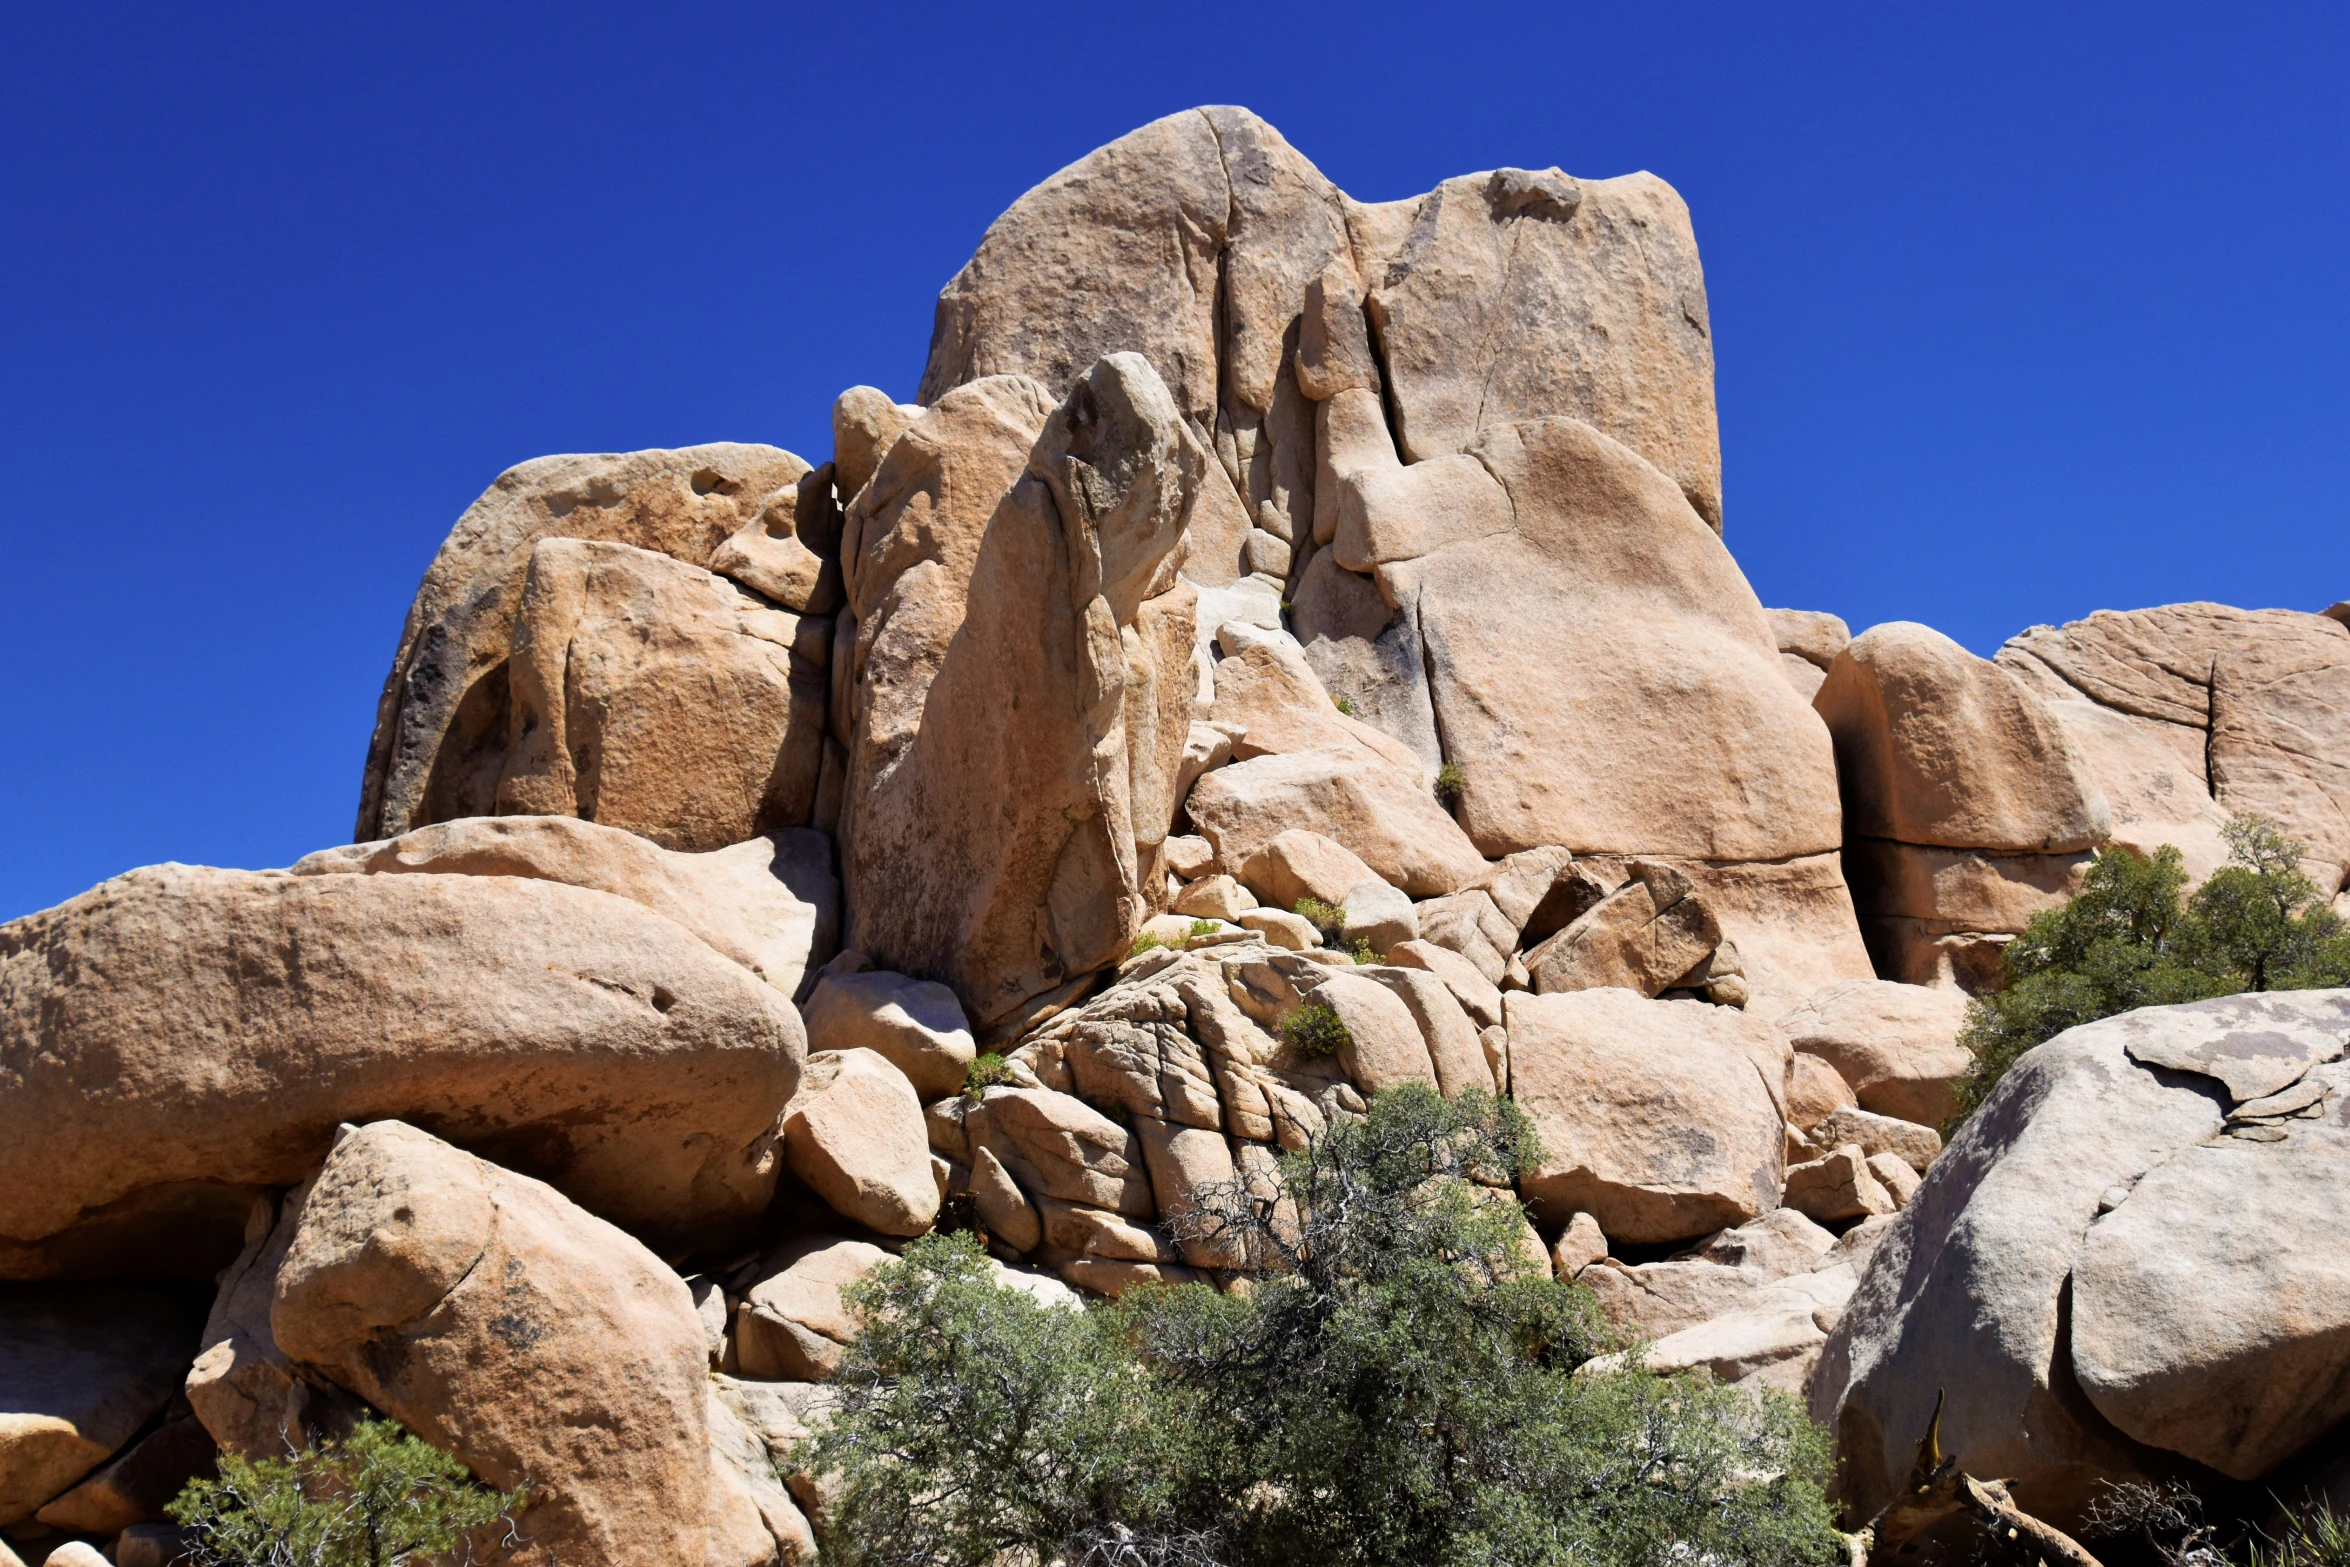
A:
(1967, 807)
(854, 1133)
(2078, 1337)
(1896, 1045)
(82, 1368)
(530, 1340)
(1022, 682)
(179, 1036)
(916, 1023)
(653, 695)
(772, 904)
(1661, 1119)
(2190, 712)
(442, 727)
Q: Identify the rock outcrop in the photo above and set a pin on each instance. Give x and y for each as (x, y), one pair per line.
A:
(529, 1339)
(82, 1368)
(179, 1037)
(2079, 1337)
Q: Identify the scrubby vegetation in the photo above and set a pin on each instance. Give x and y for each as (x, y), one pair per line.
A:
(1449, 783)
(988, 1071)
(1396, 1385)
(1316, 1029)
(1328, 918)
(378, 1498)
(1201, 928)
(2129, 940)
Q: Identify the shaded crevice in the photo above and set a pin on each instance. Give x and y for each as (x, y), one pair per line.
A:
(1387, 409)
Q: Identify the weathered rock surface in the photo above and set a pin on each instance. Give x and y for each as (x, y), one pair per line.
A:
(1897, 1045)
(1657, 1117)
(916, 1024)
(1995, 1284)
(138, 1483)
(441, 729)
(179, 1036)
(2189, 712)
(1646, 936)
(81, 1369)
(772, 904)
(527, 1338)
(854, 1133)
(652, 695)
(1056, 1145)
(793, 1325)
(1022, 683)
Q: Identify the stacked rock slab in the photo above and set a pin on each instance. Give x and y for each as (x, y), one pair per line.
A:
(2191, 712)
(1022, 681)
(1967, 808)
(1495, 432)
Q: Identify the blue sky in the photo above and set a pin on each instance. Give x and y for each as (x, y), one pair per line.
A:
(2021, 311)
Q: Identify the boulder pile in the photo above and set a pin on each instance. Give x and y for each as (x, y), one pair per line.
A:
(1287, 650)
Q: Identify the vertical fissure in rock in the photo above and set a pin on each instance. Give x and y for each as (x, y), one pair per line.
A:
(1387, 408)
(2211, 729)
(1501, 296)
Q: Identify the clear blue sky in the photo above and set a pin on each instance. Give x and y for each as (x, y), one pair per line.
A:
(2022, 311)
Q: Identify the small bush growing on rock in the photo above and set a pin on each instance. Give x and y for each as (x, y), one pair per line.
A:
(377, 1498)
(1361, 952)
(1398, 1386)
(989, 1071)
(1148, 941)
(1450, 781)
(1316, 1030)
(2316, 1538)
(2128, 941)
(1343, 705)
(1328, 918)
(1201, 928)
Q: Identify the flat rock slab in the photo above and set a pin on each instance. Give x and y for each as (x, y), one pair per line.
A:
(2256, 1045)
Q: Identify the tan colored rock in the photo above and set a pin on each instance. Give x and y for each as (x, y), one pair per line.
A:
(865, 425)
(855, 1134)
(1778, 1245)
(1937, 746)
(1189, 856)
(918, 1026)
(651, 695)
(1836, 1187)
(1301, 863)
(1964, 889)
(434, 1285)
(2254, 692)
(1214, 897)
(1653, 1299)
(1056, 1145)
(1580, 1245)
(1811, 635)
(793, 1324)
(1333, 339)
(1449, 1035)
(1646, 936)
(1129, 1050)
(1894, 1174)
(1657, 1118)
(135, 1486)
(1477, 995)
(235, 1018)
(1002, 1207)
(1914, 1145)
(82, 1367)
(1184, 1163)
(1385, 1047)
(1469, 924)
(76, 1553)
(790, 552)
(1656, 667)
(1292, 932)
(1021, 639)
(1517, 294)
(441, 729)
(1368, 651)
(1383, 815)
(771, 904)
(746, 1460)
(1815, 1090)
(1192, 241)
(1897, 1045)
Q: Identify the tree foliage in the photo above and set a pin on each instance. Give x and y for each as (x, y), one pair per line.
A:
(377, 1498)
(2129, 940)
(1395, 1383)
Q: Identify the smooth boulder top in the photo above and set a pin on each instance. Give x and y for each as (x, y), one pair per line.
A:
(181, 1031)
(2207, 1322)
(1936, 746)
(449, 674)
(771, 904)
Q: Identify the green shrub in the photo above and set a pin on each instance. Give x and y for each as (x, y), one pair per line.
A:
(1328, 918)
(1397, 1387)
(1450, 781)
(1201, 928)
(2316, 1538)
(1148, 941)
(1343, 705)
(1316, 1030)
(379, 1498)
(989, 1071)
(2129, 941)
(1361, 951)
